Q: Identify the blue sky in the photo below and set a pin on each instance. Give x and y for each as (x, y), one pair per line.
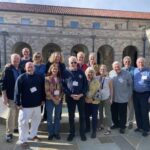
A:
(131, 5)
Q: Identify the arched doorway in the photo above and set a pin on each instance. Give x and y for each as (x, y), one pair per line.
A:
(105, 55)
(80, 48)
(17, 48)
(132, 52)
(49, 49)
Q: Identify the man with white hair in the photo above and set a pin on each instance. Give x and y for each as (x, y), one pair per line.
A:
(122, 83)
(81, 64)
(141, 95)
(29, 96)
(127, 66)
(75, 87)
(9, 78)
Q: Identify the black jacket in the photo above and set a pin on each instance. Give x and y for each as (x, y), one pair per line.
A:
(8, 81)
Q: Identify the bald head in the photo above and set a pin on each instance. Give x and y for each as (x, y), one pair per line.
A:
(29, 67)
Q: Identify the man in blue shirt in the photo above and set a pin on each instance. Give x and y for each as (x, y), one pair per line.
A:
(141, 95)
(75, 87)
(128, 67)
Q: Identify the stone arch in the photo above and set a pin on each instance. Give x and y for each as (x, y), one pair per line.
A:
(132, 52)
(49, 49)
(17, 48)
(80, 47)
(105, 55)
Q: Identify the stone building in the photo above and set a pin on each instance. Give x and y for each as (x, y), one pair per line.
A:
(111, 34)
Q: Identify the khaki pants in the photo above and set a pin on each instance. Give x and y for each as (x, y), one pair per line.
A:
(12, 118)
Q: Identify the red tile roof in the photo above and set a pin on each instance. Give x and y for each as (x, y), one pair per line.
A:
(45, 9)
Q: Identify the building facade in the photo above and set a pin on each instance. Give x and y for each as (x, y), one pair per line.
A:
(110, 34)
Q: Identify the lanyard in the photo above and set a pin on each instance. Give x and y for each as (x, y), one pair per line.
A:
(102, 80)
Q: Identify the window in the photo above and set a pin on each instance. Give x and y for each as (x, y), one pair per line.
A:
(1, 20)
(74, 24)
(118, 26)
(96, 25)
(25, 21)
(51, 23)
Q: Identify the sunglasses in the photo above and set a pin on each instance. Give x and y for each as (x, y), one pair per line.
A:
(74, 62)
(37, 56)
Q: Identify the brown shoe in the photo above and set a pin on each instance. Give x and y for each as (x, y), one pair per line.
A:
(36, 138)
(24, 145)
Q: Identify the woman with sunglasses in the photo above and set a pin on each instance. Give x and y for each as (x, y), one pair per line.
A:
(40, 67)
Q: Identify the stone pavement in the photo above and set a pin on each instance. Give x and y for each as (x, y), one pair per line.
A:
(116, 141)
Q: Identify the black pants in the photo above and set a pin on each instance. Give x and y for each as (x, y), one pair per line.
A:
(91, 110)
(119, 114)
(71, 110)
(141, 107)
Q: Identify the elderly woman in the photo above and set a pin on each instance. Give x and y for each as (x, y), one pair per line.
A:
(106, 98)
(92, 104)
(40, 67)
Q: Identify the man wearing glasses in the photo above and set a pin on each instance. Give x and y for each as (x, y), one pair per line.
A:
(75, 87)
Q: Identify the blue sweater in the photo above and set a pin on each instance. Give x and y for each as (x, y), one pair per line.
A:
(29, 90)
(75, 82)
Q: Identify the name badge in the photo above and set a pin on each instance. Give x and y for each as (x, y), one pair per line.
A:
(75, 83)
(56, 92)
(33, 89)
(120, 80)
(144, 77)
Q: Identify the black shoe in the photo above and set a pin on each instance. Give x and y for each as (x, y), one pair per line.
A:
(9, 137)
(145, 133)
(138, 130)
(57, 136)
(114, 127)
(122, 131)
(93, 135)
(83, 138)
(70, 137)
(50, 137)
(16, 130)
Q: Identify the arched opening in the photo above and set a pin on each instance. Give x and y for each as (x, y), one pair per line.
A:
(132, 52)
(49, 49)
(80, 48)
(105, 55)
(17, 48)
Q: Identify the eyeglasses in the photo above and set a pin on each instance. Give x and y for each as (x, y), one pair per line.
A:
(74, 62)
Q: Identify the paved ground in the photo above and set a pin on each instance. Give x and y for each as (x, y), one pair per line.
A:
(116, 141)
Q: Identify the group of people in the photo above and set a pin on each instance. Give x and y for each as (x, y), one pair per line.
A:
(28, 84)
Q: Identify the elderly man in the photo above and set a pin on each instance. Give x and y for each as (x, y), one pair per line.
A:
(141, 95)
(122, 83)
(128, 67)
(9, 78)
(80, 59)
(75, 88)
(29, 96)
(26, 58)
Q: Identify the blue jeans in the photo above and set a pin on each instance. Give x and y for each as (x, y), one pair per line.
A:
(53, 124)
